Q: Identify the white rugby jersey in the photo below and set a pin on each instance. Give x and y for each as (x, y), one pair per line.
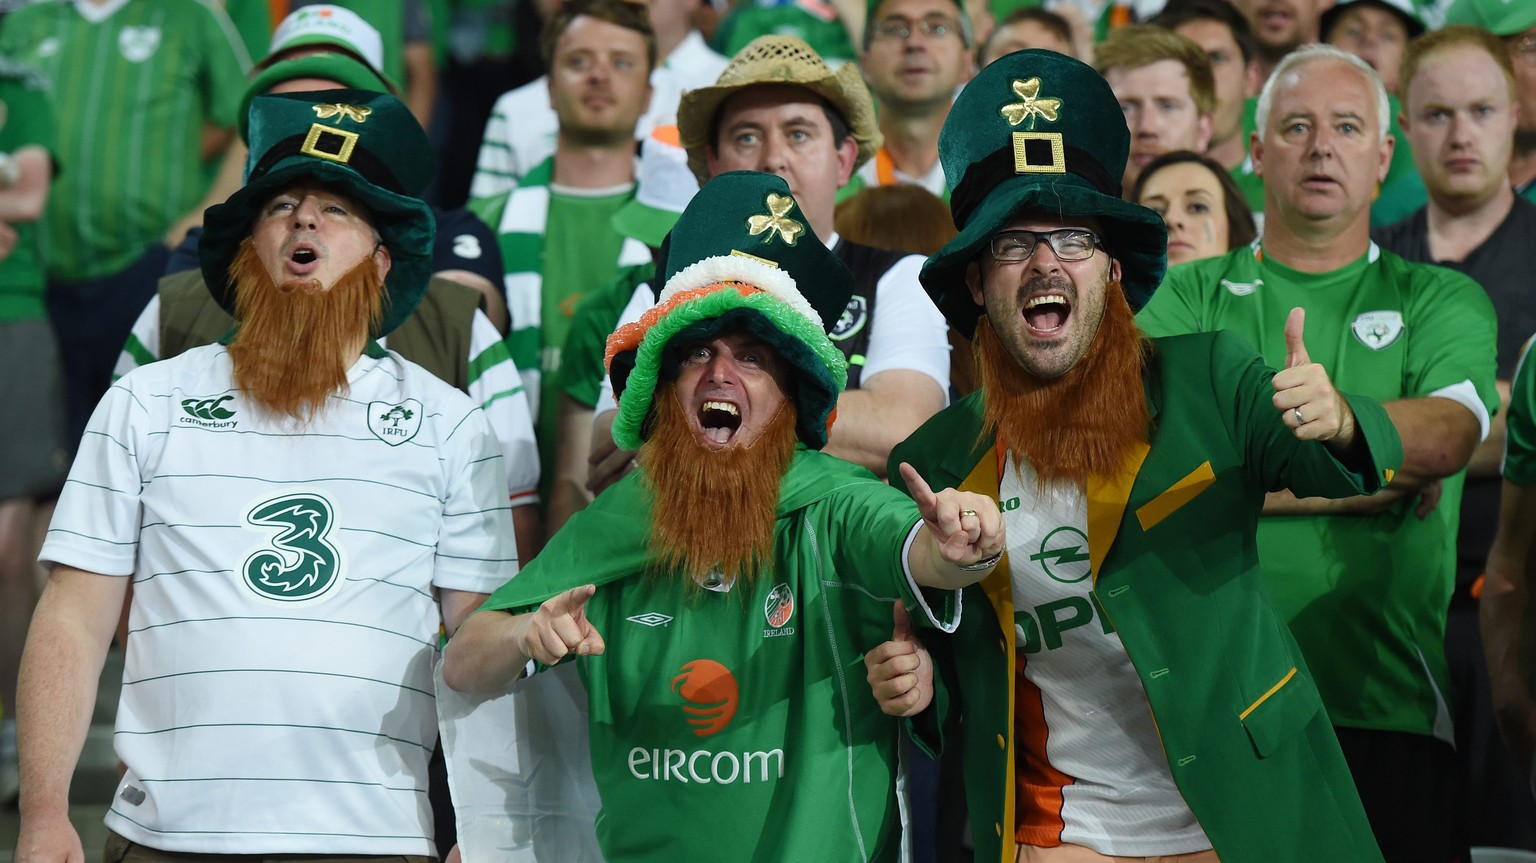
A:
(277, 696)
(1093, 770)
(494, 384)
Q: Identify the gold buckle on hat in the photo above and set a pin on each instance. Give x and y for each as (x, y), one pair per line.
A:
(1022, 164)
(338, 144)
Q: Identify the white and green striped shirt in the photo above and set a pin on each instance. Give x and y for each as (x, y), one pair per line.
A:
(277, 696)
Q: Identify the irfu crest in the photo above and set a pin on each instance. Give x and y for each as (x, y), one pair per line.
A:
(394, 424)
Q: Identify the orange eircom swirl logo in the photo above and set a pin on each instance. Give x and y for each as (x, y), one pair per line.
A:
(712, 695)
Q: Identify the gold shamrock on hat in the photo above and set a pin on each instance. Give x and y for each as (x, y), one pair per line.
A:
(1030, 106)
(776, 220)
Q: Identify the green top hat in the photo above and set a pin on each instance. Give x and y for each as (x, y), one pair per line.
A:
(367, 145)
(743, 228)
(331, 66)
(1039, 131)
(1501, 17)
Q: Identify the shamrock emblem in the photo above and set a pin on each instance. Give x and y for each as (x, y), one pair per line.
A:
(350, 112)
(776, 220)
(1030, 106)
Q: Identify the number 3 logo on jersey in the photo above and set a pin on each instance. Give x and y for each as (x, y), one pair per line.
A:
(300, 565)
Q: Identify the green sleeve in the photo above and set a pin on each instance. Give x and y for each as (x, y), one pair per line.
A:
(1520, 438)
(1272, 452)
(28, 117)
(1175, 307)
(226, 63)
(602, 543)
(581, 361)
(1452, 333)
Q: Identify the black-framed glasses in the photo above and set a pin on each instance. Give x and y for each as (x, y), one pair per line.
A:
(1069, 244)
(932, 27)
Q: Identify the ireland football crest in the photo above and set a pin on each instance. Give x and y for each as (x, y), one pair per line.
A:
(1376, 330)
(138, 44)
(300, 564)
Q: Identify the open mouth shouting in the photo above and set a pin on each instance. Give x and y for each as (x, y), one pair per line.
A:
(303, 259)
(1045, 314)
(718, 422)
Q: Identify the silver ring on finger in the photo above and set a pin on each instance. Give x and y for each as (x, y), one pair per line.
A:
(1299, 420)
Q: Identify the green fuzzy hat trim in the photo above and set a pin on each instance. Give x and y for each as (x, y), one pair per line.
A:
(822, 370)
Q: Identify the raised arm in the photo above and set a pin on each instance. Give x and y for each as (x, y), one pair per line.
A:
(491, 649)
(963, 539)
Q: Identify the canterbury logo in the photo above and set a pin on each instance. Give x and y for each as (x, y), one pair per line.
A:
(712, 695)
(208, 409)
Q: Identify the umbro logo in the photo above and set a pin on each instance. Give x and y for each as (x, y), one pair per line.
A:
(650, 618)
(209, 413)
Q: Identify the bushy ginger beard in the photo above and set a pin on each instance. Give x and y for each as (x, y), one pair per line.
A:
(712, 508)
(290, 351)
(1082, 423)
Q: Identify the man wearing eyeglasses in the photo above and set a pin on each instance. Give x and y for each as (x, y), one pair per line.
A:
(916, 54)
(1123, 688)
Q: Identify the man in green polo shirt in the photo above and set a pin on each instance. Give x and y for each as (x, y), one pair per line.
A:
(1363, 583)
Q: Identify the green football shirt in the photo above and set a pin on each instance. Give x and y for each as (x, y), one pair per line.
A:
(26, 120)
(1520, 436)
(132, 92)
(581, 363)
(737, 725)
(581, 254)
(1365, 595)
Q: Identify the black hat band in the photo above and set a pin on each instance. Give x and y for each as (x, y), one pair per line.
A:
(332, 145)
(1026, 153)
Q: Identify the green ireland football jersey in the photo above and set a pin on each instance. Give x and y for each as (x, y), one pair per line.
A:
(1365, 595)
(132, 93)
(1520, 436)
(738, 725)
(581, 362)
(26, 121)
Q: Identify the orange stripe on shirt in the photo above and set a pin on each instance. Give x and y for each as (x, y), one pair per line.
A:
(1040, 785)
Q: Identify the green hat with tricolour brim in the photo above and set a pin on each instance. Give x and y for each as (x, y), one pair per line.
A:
(1500, 17)
(366, 145)
(1406, 11)
(742, 255)
(1039, 132)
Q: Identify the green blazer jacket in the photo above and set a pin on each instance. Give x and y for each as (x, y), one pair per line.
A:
(1175, 568)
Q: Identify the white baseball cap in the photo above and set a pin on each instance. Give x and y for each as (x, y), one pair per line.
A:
(325, 24)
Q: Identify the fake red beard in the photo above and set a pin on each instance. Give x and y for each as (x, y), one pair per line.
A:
(1082, 423)
(712, 508)
(289, 353)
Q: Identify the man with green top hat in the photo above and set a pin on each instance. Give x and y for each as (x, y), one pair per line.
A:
(780, 109)
(718, 597)
(299, 511)
(1124, 689)
(1363, 583)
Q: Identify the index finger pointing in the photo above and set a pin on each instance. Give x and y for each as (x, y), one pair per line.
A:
(927, 501)
(572, 600)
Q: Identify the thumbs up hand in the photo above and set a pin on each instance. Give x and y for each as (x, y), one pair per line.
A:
(1307, 400)
(900, 671)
